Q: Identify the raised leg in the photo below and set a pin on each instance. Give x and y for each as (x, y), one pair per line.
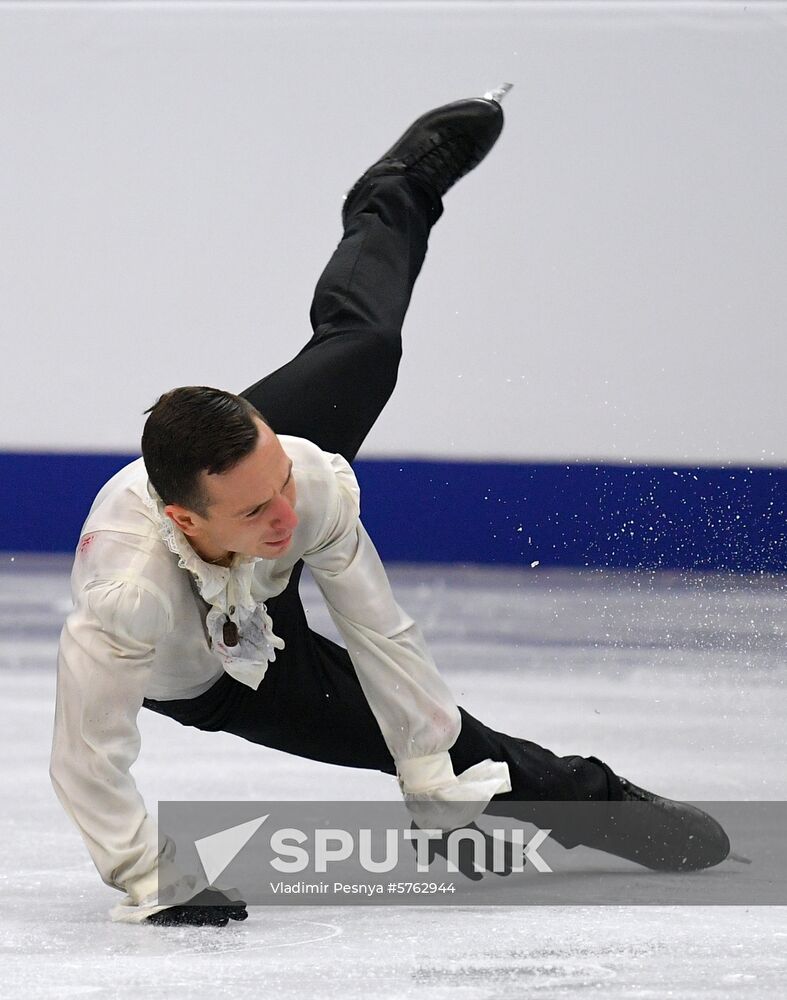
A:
(335, 388)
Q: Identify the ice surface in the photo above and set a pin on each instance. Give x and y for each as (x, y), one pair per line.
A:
(677, 681)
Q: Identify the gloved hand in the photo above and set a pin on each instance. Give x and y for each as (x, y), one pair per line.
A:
(209, 908)
(465, 856)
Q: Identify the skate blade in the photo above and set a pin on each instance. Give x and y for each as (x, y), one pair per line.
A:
(498, 93)
(732, 856)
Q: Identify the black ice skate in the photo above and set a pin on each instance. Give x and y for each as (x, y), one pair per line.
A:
(442, 145)
(659, 833)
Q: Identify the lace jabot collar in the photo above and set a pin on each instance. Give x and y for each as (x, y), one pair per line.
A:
(212, 579)
(245, 650)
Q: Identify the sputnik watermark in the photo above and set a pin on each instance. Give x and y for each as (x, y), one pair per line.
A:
(295, 851)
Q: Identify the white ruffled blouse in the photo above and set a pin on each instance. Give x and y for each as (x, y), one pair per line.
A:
(148, 622)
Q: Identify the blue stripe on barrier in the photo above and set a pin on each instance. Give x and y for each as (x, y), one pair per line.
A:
(576, 514)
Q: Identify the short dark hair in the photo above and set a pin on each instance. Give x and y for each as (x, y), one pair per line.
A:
(191, 430)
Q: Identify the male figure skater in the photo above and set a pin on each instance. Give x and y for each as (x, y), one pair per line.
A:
(185, 580)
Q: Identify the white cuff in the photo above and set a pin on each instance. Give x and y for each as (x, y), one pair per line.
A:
(127, 912)
(419, 774)
(439, 799)
(164, 885)
(143, 887)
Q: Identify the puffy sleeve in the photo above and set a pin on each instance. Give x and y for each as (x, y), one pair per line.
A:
(104, 662)
(414, 708)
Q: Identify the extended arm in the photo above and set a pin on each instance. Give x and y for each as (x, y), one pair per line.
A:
(104, 662)
(413, 706)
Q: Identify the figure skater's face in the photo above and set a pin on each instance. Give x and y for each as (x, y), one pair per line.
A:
(252, 506)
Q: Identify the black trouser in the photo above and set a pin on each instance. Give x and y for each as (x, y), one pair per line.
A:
(310, 702)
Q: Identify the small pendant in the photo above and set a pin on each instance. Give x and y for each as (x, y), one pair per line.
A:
(230, 633)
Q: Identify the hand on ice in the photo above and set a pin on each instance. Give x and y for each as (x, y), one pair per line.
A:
(209, 908)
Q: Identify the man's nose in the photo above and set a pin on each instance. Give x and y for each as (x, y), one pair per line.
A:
(283, 513)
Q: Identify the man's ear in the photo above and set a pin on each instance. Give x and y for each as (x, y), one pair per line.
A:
(183, 518)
